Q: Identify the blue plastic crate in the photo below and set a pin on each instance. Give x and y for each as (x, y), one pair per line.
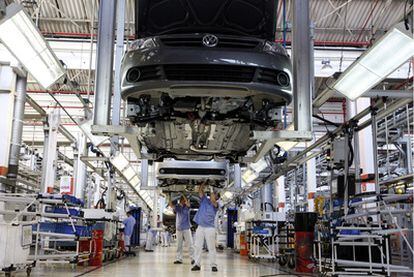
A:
(82, 231)
(260, 230)
(64, 228)
(62, 210)
(45, 227)
(72, 199)
(350, 232)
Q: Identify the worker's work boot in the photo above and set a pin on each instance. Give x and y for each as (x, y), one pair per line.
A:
(214, 269)
(196, 268)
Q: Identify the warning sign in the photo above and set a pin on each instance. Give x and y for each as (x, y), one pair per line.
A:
(66, 185)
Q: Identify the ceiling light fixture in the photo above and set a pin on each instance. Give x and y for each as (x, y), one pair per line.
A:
(389, 53)
(25, 42)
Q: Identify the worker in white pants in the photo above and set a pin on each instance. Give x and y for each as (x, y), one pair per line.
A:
(187, 237)
(165, 238)
(182, 224)
(129, 225)
(150, 241)
(205, 218)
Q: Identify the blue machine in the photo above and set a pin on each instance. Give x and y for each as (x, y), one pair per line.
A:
(136, 213)
(231, 219)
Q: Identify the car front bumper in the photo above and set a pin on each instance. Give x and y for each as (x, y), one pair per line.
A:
(162, 56)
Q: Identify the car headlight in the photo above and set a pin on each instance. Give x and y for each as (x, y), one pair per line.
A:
(141, 44)
(275, 48)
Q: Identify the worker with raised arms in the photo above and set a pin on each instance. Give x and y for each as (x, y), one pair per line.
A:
(183, 232)
(206, 230)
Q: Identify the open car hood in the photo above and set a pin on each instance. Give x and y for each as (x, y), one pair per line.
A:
(254, 18)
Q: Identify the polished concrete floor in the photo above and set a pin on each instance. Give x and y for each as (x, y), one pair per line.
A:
(160, 263)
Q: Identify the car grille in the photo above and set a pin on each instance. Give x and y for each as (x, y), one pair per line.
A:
(197, 42)
(143, 73)
(194, 72)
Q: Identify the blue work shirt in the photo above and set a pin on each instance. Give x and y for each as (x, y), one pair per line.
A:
(182, 220)
(206, 214)
(129, 223)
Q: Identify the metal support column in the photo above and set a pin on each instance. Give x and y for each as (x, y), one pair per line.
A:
(375, 154)
(104, 62)
(280, 194)
(144, 174)
(119, 52)
(266, 196)
(366, 146)
(155, 208)
(302, 66)
(7, 83)
(311, 183)
(50, 151)
(237, 177)
(79, 168)
(17, 129)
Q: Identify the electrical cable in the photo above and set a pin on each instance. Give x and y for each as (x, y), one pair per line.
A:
(326, 120)
(324, 123)
(406, 21)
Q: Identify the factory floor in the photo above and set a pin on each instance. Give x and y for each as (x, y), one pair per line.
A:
(160, 263)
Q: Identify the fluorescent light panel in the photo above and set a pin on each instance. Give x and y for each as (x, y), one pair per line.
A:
(22, 38)
(386, 56)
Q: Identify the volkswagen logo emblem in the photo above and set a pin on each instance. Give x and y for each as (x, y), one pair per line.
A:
(210, 40)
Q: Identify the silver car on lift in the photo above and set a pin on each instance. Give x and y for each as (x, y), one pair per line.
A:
(203, 75)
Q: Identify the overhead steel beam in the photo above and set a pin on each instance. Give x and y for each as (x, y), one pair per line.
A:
(40, 143)
(270, 138)
(131, 133)
(374, 93)
(104, 62)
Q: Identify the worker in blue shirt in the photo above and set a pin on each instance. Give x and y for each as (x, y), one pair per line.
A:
(182, 223)
(129, 224)
(205, 218)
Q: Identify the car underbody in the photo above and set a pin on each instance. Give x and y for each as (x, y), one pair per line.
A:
(201, 128)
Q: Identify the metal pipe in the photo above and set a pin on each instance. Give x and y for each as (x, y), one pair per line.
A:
(284, 24)
(104, 62)
(119, 51)
(92, 22)
(375, 146)
(302, 66)
(17, 128)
